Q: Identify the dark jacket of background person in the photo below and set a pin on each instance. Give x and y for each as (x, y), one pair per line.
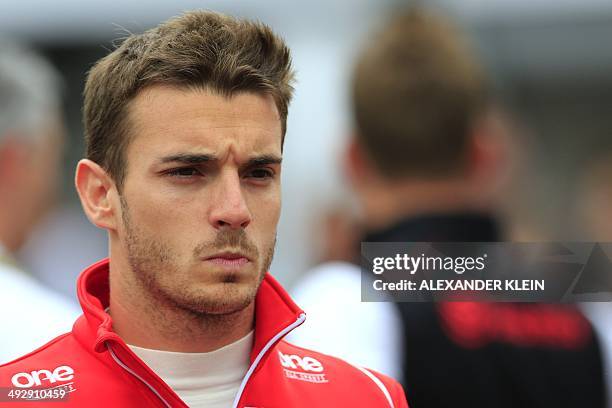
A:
(470, 354)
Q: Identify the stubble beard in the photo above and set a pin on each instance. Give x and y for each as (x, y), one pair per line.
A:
(151, 261)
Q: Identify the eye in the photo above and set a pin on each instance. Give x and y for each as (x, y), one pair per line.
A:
(184, 172)
(261, 174)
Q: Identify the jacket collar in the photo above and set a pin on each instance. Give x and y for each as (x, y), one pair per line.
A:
(274, 309)
(275, 316)
(443, 227)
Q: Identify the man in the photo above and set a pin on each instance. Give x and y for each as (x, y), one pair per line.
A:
(593, 212)
(426, 162)
(185, 126)
(30, 149)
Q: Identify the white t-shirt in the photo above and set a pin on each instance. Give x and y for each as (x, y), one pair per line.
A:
(208, 380)
(338, 323)
(30, 314)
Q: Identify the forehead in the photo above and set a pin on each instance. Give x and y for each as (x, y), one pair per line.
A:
(164, 119)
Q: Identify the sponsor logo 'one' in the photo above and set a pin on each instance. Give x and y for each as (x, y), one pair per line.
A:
(294, 362)
(38, 377)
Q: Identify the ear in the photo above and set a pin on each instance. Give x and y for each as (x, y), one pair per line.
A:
(14, 156)
(489, 150)
(356, 166)
(98, 194)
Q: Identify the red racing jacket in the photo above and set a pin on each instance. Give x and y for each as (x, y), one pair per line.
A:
(93, 367)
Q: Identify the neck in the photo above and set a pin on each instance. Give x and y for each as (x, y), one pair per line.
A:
(10, 239)
(144, 320)
(384, 204)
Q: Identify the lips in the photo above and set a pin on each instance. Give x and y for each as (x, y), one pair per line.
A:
(229, 259)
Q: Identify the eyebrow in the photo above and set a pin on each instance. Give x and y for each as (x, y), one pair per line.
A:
(188, 158)
(263, 160)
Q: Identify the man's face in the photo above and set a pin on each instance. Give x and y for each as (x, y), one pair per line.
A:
(35, 176)
(201, 198)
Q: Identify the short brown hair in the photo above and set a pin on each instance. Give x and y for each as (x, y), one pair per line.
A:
(416, 92)
(199, 49)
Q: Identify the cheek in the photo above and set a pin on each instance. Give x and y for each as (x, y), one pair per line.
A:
(266, 211)
(152, 213)
(156, 209)
(178, 223)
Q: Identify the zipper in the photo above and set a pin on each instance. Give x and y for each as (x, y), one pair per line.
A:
(263, 351)
(250, 372)
(129, 370)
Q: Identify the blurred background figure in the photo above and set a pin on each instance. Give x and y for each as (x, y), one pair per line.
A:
(31, 136)
(337, 230)
(594, 209)
(595, 197)
(429, 161)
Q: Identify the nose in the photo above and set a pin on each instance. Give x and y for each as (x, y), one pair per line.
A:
(230, 208)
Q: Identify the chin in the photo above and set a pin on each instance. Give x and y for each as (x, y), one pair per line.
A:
(218, 298)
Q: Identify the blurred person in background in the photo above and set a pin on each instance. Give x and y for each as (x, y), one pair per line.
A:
(337, 231)
(185, 125)
(427, 162)
(594, 209)
(595, 197)
(31, 136)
